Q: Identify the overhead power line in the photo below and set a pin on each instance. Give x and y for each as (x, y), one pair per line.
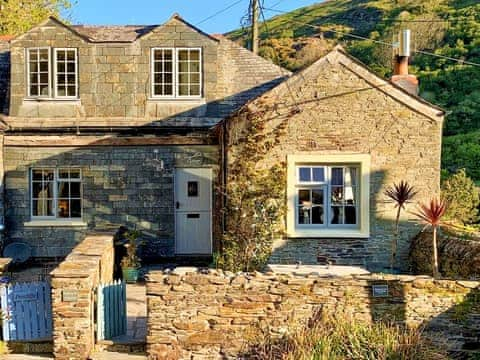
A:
(219, 12)
(359, 37)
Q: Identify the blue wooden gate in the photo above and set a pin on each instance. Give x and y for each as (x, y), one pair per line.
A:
(111, 310)
(26, 311)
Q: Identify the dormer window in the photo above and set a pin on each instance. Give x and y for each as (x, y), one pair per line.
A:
(176, 73)
(52, 79)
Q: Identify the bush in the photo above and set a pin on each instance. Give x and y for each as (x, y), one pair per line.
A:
(463, 198)
(335, 338)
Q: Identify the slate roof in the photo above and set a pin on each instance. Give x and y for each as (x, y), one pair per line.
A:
(114, 33)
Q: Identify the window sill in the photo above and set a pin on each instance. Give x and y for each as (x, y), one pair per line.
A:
(192, 100)
(55, 223)
(73, 100)
(328, 233)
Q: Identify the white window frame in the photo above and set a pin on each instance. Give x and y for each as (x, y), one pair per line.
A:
(27, 60)
(56, 180)
(55, 85)
(52, 75)
(359, 230)
(175, 52)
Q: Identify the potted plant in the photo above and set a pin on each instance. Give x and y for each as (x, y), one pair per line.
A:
(131, 262)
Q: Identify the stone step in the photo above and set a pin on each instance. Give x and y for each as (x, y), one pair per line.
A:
(126, 347)
(108, 355)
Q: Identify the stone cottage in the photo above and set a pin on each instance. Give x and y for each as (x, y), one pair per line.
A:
(105, 126)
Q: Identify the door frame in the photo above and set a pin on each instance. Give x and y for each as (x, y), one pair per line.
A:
(175, 208)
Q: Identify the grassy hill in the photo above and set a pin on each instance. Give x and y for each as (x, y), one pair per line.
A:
(444, 27)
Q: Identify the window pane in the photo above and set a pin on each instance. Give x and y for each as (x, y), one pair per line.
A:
(195, 90)
(168, 78)
(37, 187)
(158, 55)
(168, 67)
(74, 173)
(168, 89)
(34, 90)
(304, 174)
(48, 175)
(336, 215)
(303, 215)
(183, 90)
(60, 55)
(61, 67)
(337, 195)
(63, 190)
(33, 55)
(63, 173)
(350, 215)
(317, 215)
(63, 208)
(44, 90)
(44, 54)
(318, 174)
(71, 67)
(70, 55)
(183, 78)
(71, 91)
(183, 55)
(304, 197)
(195, 67)
(75, 189)
(61, 91)
(42, 208)
(33, 67)
(317, 196)
(43, 66)
(337, 176)
(37, 174)
(43, 78)
(183, 67)
(195, 55)
(76, 208)
(71, 79)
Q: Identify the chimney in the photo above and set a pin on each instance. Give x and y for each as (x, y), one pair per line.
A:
(401, 77)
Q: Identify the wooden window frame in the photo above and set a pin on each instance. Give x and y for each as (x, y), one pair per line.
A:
(175, 79)
(55, 197)
(361, 229)
(52, 75)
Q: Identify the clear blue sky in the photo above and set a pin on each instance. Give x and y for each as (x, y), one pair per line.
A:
(143, 12)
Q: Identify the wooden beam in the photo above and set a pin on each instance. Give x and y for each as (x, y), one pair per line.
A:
(77, 141)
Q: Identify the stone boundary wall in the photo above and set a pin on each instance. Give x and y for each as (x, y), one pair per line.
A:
(195, 314)
(73, 284)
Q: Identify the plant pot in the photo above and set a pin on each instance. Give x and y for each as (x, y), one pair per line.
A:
(130, 275)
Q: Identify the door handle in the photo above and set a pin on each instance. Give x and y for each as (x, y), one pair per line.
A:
(177, 205)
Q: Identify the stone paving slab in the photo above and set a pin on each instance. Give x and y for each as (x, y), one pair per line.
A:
(117, 356)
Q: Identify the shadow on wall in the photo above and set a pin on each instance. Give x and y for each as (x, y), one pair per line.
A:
(372, 253)
(121, 185)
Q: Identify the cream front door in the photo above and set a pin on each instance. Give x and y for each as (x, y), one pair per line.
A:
(193, 211)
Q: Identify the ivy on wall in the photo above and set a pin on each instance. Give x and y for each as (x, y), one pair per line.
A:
(255, 192)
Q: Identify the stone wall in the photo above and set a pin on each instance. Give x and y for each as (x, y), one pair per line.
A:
(336, 107)
(73, 284)
(121, 186)
(198, 315)
(114, 78)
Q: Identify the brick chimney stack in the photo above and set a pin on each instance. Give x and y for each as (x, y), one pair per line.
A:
(401, 77)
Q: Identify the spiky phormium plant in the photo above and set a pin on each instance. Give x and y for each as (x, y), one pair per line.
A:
(431, 214)
(400, 194)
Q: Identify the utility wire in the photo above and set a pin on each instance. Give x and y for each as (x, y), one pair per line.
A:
(219, 12)
(463, 62)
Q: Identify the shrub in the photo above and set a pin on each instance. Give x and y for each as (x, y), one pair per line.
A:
(463, 198)
(340, 337)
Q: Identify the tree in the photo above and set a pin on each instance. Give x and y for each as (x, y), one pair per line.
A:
(432, 214)
(400, 194)
(463, 198)
(17, 16)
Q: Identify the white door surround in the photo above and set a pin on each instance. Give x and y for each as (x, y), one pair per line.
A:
(193, 211)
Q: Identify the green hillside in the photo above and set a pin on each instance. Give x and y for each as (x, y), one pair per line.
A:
(444, 27)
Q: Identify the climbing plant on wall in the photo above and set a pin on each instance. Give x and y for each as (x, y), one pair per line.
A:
(255, 192)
